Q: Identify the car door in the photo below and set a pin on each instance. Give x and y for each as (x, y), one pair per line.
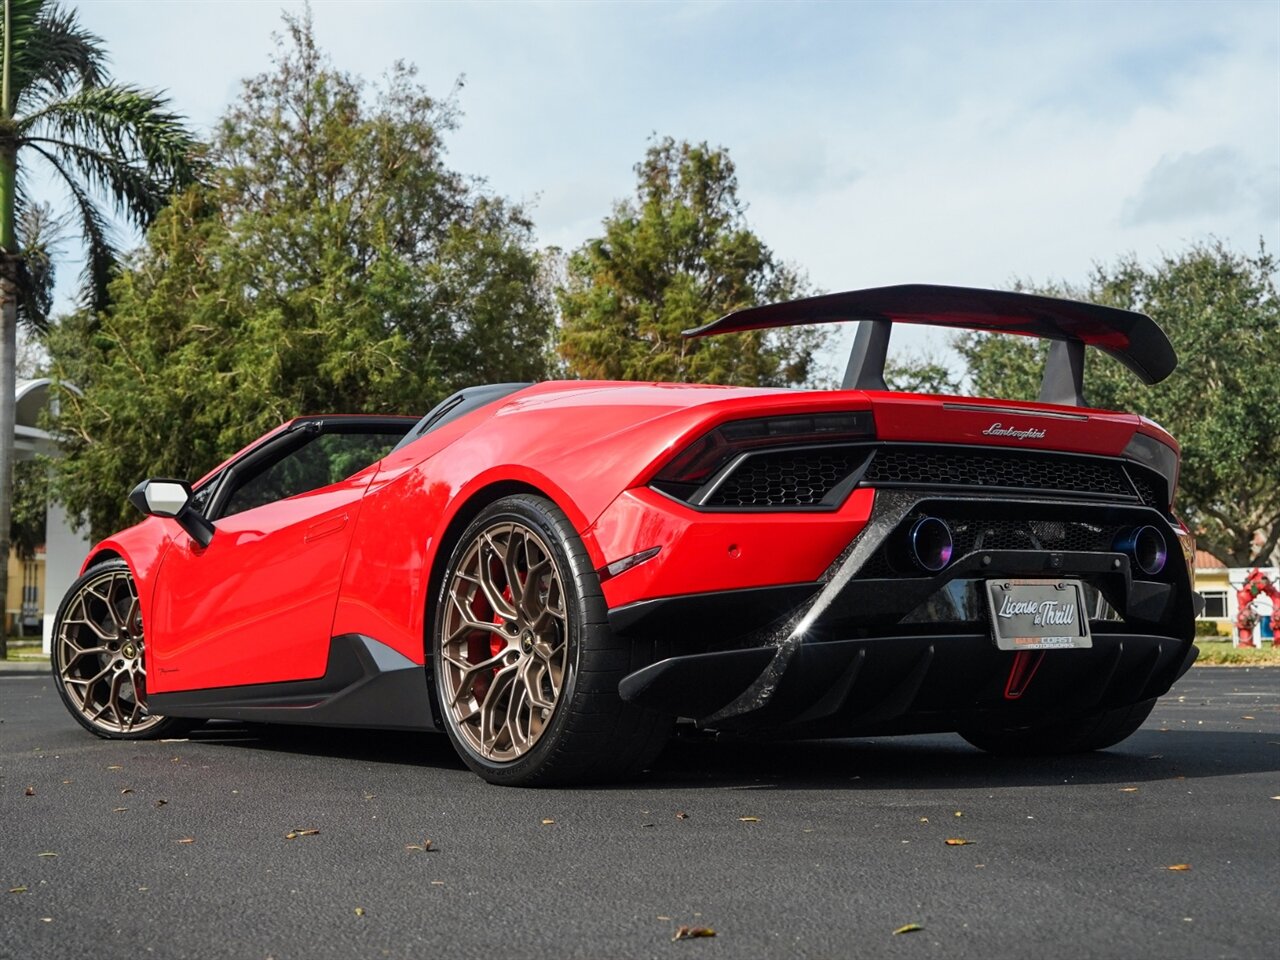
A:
(256, 605)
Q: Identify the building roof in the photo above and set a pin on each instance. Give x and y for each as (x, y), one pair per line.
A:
(1207, 561)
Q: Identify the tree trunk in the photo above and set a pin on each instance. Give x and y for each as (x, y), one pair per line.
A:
(8, 390)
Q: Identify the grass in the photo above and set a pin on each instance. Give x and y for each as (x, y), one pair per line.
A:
(23, 649)
(1220, 653)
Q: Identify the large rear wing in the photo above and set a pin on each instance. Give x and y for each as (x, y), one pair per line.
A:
(1132, 338)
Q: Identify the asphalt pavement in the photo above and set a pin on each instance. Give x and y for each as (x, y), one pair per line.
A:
(181, 849)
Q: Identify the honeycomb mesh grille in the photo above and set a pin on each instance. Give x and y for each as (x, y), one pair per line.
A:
(1014, 470)
(786, 478)
(1146, 489)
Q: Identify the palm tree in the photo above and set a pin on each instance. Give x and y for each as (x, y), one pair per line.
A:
(59, 110)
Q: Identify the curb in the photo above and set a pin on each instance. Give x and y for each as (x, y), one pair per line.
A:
(23, 666)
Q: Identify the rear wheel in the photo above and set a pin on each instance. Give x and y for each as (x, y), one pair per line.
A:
(526, 668)
(1094, 732)
(97, 657)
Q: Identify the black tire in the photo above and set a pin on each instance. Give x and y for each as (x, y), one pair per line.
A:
(1095, 732)
(494, 654)
(98, 660)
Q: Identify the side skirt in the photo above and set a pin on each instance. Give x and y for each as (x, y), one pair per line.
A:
(365, 684)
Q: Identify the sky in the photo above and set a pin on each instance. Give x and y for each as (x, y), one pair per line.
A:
(875, 143)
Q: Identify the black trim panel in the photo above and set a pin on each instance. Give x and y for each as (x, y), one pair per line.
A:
(911, 684)
(365, 684)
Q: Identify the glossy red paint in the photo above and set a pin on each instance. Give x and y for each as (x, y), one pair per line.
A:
(704, 552)
(260, 603)
(256, 605)
(930, 419)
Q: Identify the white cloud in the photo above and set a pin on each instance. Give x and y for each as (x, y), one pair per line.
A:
(1209, 182)
(876, 143)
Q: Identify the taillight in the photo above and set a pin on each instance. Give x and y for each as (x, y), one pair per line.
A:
(1157, 456)
(699, 462)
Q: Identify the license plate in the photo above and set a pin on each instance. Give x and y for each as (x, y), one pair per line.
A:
(1038, 615)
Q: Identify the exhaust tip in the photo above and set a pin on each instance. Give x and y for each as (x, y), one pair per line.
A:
(1146, 547)
(930, 545)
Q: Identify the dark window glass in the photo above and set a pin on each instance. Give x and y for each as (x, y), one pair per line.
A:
(1215, 605)
(200, 499)
(327, 459)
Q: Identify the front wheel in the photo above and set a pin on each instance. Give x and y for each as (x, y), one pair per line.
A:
(1095, 732)
(97, 657)
(526, 668)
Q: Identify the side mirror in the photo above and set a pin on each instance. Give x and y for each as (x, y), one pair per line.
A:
(172, 499)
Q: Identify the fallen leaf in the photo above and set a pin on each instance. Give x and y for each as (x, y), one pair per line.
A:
(690, 933)
(547, 821)
(17, 889)
(1179, 866)
(186, 840)
(959, 813)
(958, 842)
(115, 767)
(909, 928)
(175, 759)
(47, 854)
(30, 791)
(661, 917)
(924, 819)
(423, 847)
(359, 911)
(300, 832)
(119, 809)
(681, 815)
(126, 790)
(749, 819)
(1128, 789)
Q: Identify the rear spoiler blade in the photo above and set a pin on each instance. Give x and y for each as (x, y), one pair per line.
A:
(1132, 338)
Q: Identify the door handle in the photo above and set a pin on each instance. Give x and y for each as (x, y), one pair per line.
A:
(323, 528)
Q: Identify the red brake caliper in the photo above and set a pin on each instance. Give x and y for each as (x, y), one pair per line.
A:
(482, 645)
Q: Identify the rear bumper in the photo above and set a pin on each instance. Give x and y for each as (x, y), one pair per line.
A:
(852, 653)
(908, 684)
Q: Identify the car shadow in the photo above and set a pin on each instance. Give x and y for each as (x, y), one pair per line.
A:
(935, 762)
(405, 747)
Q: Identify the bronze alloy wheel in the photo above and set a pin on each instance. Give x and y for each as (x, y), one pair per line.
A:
(98, 655)
(504, 647)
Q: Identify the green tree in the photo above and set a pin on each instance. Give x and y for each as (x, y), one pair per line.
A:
(333, 263)
(99, 139)
(677, 255)
(1221, 311)
(919, 374)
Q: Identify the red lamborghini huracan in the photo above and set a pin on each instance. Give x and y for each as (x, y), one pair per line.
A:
(555, 574)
